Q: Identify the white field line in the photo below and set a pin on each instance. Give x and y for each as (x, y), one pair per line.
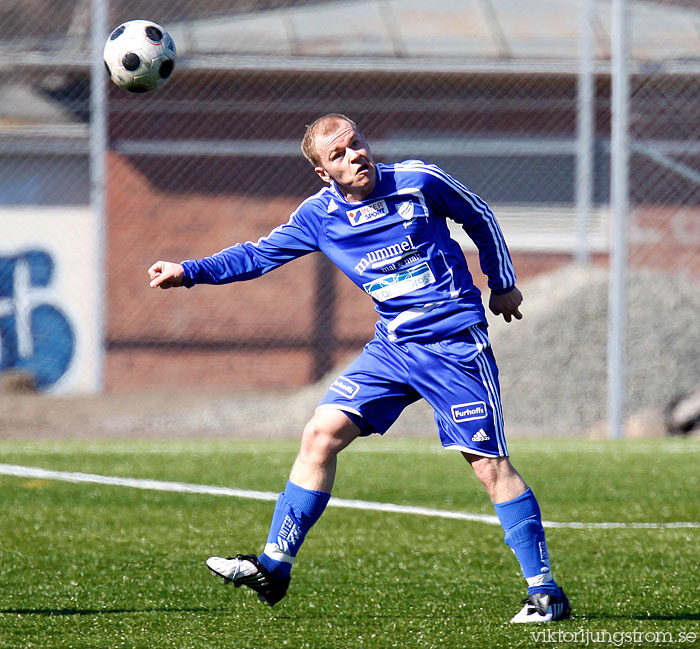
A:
(212, 490)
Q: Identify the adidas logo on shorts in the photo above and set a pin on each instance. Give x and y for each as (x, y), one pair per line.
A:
(480, 436)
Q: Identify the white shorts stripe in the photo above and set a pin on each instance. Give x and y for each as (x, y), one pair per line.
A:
(495, 401)
(481, 337)
(466, 449)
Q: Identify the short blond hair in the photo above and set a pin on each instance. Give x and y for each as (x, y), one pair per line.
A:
(321, 126)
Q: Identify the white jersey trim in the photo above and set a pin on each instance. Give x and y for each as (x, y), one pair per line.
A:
(407, 316)
(506, 271)
(290, 221)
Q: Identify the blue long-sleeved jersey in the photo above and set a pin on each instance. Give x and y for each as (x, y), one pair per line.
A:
(395, 245)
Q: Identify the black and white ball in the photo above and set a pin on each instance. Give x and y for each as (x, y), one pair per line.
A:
(139, 56)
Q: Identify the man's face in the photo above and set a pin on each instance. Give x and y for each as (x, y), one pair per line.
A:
(345, 158)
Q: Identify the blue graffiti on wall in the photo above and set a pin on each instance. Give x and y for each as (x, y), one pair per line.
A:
(35, 335)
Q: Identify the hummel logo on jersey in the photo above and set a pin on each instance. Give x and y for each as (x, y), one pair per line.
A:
(480, 436)
(469, 411)
(384, 256)
(368, 213)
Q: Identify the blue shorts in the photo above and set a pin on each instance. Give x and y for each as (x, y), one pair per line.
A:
(457, 377)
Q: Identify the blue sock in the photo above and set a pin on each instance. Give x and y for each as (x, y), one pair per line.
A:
(296, 511)
(522, 521)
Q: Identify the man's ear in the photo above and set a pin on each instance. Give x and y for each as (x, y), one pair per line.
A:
(322, 174)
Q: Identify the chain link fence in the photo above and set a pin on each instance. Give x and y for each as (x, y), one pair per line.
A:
(487, 89)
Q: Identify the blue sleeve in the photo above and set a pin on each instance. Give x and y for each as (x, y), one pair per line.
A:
(463, 206)
(250, 260)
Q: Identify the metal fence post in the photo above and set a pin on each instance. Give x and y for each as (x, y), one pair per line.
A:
(585, 130)
(619, 200)
(98, 149)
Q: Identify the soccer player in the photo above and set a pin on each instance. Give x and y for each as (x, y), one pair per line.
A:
(384, 226)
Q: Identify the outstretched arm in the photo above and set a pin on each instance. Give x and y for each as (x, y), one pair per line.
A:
(506, 304)
(166, 274)
(243, 261)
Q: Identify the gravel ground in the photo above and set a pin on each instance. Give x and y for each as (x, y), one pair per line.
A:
(553, 373)
(554, 364)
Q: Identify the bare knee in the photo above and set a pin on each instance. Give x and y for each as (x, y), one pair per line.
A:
(326, 434)
(488, 470)
(318, 441)
(499, 477)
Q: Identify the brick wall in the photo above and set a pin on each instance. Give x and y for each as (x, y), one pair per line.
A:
(259, 334)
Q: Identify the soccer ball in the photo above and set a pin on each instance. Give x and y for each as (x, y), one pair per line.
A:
(139, 56)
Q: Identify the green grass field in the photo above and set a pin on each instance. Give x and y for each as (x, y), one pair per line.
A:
(87, 565)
